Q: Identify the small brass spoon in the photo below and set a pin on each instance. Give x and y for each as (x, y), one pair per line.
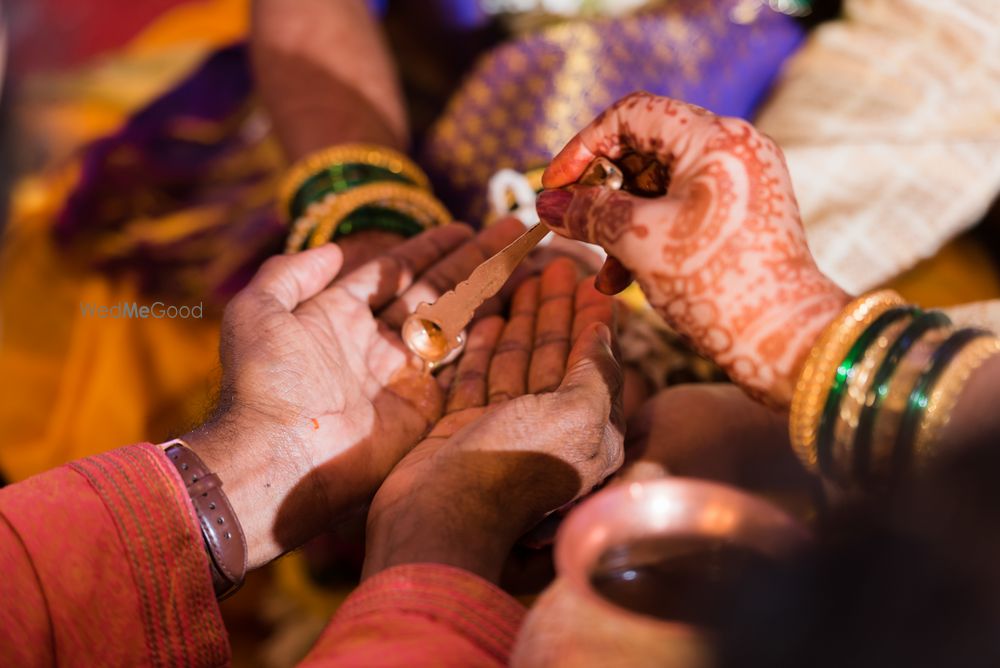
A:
(434, 331)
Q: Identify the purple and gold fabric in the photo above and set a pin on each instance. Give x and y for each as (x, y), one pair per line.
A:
(524, 100)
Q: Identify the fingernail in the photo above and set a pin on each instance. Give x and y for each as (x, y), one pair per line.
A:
(605, 333)
(551, 206)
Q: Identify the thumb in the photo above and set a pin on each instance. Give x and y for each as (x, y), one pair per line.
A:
(292, 279)
(593, 370)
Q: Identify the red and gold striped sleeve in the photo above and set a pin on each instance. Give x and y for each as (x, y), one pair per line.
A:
(103, 564)
(420, 615)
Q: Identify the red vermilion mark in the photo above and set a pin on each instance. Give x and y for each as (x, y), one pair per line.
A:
(315, 423)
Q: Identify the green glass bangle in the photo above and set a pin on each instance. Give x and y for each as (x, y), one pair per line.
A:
(378, 218)
(921, 324)
(336, 179)
(917, 402)
(828, 419)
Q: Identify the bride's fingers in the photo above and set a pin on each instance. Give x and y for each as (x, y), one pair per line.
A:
(451, 270)
(625, 225)
(468, 389)
(509, 368)
(550, 344)
(640, 122)
(380, 280)
(613, 277)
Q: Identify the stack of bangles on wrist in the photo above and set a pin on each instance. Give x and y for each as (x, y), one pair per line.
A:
(878, 387)
(354, 187)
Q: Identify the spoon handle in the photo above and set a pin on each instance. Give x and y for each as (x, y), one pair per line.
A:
(454, 309)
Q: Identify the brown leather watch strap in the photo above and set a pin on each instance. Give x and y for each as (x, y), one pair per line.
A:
(224, 540)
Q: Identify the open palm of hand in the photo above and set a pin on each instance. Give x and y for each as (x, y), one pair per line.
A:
(317, 367)
(533, 420)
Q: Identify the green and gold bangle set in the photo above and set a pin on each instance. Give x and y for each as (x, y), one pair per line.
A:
(878, 388)
(354, 187)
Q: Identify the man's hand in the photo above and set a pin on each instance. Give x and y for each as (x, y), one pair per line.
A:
(722, 255)
(531, 425)
(320, 398)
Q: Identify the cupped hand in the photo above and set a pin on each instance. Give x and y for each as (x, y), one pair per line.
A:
(722, 255)
(532, 422)
(320, 398)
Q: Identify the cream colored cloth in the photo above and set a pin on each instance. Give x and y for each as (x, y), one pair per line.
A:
(979, 314)
(890, 122)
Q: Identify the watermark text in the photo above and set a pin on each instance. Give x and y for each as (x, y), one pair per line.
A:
(137, 311)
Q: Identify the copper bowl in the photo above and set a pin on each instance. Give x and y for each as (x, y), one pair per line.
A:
(572, 624)
(662, 508)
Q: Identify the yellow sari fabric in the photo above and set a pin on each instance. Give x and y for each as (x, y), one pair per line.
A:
(74, 385)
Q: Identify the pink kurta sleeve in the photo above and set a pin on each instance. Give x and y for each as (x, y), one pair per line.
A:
(102, 563)
(421, 615)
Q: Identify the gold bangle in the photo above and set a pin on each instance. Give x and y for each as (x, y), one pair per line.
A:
(855, 394)
(946, 392)
(419, 204)
(821, 366)
(368, 154)
(306, 223)
(888, 421)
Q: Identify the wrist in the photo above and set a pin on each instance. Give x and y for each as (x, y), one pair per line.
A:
(448, 520)
(429, 532)
(770, 348)
(252, 461)
(806, 322)
(365, 245)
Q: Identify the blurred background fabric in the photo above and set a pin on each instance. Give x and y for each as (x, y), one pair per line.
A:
(134, 183)
(890, 123)
(77, 385)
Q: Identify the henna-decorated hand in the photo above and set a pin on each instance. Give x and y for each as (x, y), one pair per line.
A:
(722, 255)
(531, 423)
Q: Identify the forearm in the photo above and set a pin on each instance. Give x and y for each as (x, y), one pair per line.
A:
(441, 526)
(325, 75)
(420, 615)
(104, 564)
(464, 508)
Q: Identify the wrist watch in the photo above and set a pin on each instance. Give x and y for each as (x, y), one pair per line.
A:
(225, 542)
